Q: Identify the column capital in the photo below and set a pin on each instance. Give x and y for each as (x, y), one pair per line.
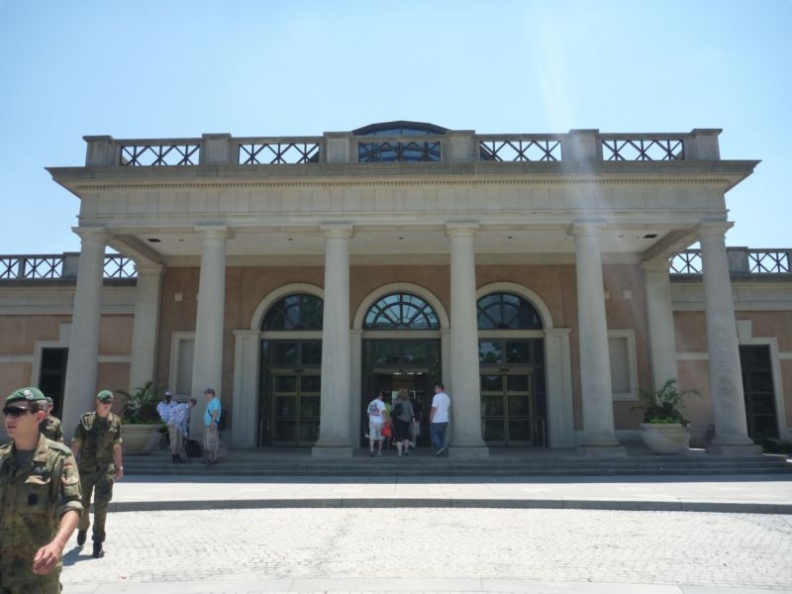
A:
(660, 265)
(462, 229)
(337, 230)
(148, 269)
(214, 231)
(586, 228)
(98, 233)
(714, 228)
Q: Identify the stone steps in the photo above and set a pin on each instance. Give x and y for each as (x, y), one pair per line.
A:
(424, 465)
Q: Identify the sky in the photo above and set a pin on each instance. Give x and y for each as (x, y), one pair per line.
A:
(182, 68)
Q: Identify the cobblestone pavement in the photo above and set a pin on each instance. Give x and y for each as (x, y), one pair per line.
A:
(434, 549)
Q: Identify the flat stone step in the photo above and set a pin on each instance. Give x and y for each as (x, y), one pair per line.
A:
(263, 463)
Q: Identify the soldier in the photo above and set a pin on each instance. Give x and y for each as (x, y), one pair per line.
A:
(51, 427)
(97, 447)
(40, 498)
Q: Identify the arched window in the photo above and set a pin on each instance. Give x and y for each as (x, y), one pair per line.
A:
(401, 311)
(295, 312)
(412, 145)
(506, 311)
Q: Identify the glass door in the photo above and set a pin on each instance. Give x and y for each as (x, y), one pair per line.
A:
(507, 409)
(295, 408)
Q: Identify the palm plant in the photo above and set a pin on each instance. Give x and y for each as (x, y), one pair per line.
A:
(141, 406)
(665, 404)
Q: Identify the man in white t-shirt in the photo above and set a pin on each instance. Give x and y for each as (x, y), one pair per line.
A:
(376, 415)
(438, 419)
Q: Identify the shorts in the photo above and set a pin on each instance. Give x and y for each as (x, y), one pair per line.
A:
(375, 431)
(211, 439)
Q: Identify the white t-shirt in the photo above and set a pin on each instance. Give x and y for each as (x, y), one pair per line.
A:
(442, 403)
(375, 410)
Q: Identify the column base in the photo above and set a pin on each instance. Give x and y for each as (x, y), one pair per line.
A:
(339, 451)
(734, 450)
(603, 450)
(468, 451)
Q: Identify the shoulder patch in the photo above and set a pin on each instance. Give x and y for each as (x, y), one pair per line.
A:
(57, 446)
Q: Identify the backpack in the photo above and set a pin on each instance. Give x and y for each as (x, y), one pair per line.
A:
(192, 448)
(397, 411)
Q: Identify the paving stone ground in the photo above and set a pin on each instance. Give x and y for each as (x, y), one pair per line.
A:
(439, 550)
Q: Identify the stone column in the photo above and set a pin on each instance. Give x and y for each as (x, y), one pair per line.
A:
(335, 421)
(560, 408)
(595, 372)
(728, 399)
(464, 389)
(81, 369)
(209, 323)
(659, 312)
(146, 324)
(245, 430)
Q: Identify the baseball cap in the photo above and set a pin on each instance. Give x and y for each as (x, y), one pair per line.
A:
(105, 396)
(24, 396)
(168, 393)
(209, 391)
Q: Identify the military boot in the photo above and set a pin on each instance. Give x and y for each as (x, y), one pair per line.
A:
(81, 535)
(98, 551)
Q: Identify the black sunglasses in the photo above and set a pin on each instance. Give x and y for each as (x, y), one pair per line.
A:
(14, 411)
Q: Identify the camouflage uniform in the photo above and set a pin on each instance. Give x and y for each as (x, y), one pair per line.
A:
(51, 429)
(33, 498)
(96, 437)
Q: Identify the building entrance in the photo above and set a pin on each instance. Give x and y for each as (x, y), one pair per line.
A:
(760, 406)
(416, 384)
(508, 409)
(295, 408)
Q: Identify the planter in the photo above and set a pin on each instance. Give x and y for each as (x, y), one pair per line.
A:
(668, 438)
(140, 439)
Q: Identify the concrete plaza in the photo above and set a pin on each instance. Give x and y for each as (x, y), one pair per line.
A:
(646, 535)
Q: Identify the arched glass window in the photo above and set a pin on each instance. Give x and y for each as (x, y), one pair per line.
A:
(401, 311)
(411, 147)
(295, 312)
(506, 311)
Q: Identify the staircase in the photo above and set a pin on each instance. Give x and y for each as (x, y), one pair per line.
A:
(422, 463)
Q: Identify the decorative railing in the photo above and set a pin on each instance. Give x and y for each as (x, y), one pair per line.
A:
(399, 150)
(276, 152)
(116, 266)
(31, 267)
(519, 148)
(150, 154)
(61, 267)
(769, 262)
(741, 261)
(641, 148)
(342, 147)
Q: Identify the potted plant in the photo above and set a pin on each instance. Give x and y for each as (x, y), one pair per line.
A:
(664, 428)
(141, 422)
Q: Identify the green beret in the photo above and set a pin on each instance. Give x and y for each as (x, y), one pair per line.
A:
(26, 395)
(105, 396)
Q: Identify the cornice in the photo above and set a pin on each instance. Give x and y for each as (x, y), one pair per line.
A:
(368, 183)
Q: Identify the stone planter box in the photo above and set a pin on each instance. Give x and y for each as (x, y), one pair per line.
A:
(671, 438)
(140, 439)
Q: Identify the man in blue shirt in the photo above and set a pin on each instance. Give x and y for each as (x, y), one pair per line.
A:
(212, 415)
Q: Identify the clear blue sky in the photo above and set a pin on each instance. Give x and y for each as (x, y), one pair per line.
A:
(181, 68)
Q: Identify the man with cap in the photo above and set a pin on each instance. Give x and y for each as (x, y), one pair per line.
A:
(40, 498)
(97, 447)
(211, 426)
(51, 427)
(166, 409)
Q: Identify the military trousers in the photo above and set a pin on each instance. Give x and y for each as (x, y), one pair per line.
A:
(100, 485)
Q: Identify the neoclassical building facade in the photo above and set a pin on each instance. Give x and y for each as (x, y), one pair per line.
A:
(543, 278)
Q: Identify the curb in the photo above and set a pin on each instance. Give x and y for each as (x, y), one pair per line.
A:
(727, 507)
